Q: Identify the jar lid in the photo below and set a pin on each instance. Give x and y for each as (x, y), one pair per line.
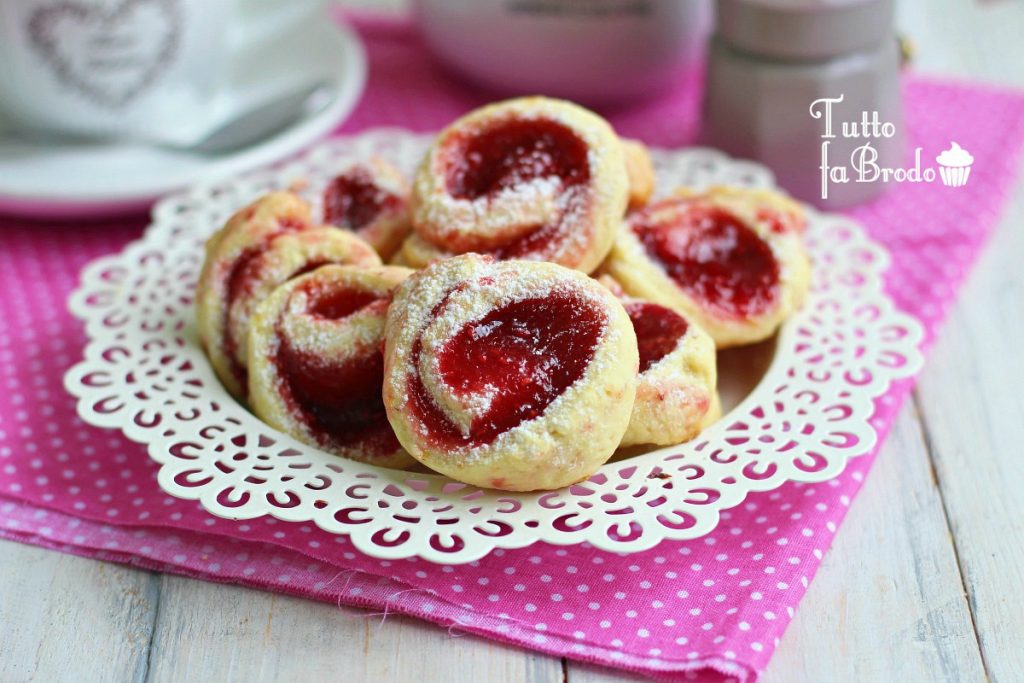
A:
(804, 29)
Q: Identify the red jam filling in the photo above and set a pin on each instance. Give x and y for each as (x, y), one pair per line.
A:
(340, 402)
(353, 200)
(713, 257)
(534, 243)
(244, 273)
(335, 304)
(658, 331)
(780, 222)
(517, 359)
(513, 152)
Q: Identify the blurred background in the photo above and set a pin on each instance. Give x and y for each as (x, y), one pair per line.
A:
(107, 105)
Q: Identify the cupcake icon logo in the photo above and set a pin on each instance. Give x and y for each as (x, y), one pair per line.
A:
(954, 165)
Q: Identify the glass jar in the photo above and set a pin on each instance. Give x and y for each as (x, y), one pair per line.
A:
(811, 89)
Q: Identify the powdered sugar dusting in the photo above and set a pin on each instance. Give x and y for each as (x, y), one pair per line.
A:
(457, 295)
(532, 213)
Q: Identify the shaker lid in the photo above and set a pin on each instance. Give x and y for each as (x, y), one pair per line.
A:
(804, 29)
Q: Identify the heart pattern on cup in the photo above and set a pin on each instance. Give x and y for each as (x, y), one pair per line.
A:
(109, 55)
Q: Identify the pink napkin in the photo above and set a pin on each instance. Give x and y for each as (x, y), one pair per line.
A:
(711, 608)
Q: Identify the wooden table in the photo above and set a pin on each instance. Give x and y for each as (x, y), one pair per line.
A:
(924, 581)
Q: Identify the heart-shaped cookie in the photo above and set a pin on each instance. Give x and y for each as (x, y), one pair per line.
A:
(109, 55)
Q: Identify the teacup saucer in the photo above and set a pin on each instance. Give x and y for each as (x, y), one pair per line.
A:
(64, 180)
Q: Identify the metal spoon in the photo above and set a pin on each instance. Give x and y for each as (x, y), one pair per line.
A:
(265, 119)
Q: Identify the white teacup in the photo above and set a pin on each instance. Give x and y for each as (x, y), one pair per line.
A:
(165, 71)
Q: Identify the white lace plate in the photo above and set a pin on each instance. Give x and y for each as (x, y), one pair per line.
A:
(144, 374)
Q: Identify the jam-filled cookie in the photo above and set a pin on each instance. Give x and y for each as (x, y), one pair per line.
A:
(731, 259)
(512, 375)
(261, 246)
(530, 178)
(675, 395)
(372, 200)
(316, 363)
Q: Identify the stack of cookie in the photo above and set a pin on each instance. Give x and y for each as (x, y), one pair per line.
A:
(539, 312)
